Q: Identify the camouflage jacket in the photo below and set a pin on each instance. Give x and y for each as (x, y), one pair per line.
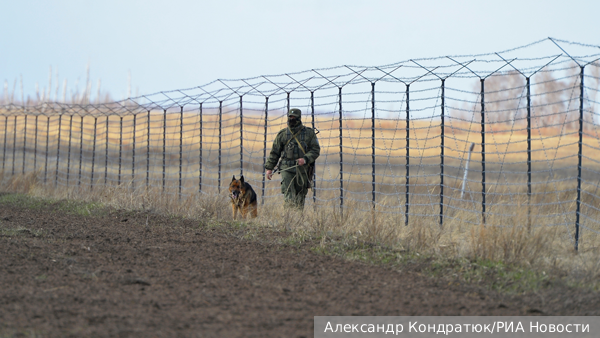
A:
(286, 147)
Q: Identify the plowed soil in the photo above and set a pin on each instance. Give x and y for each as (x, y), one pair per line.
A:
(139, 274)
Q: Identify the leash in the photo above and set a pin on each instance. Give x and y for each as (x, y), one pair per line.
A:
(280, 170)
(295, 176)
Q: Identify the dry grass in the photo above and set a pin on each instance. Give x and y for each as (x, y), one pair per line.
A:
(511, 241)
(120, 150)
(501, 143)
(537, 248)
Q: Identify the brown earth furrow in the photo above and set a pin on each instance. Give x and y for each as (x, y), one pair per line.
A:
(111, 275)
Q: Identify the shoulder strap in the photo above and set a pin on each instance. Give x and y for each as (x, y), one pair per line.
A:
(299, 144)
(294, 137)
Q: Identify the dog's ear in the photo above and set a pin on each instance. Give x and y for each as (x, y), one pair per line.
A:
(242, 179)
(233, 178)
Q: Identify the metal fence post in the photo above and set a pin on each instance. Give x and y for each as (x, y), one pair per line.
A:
(528, 153)
(14, 146)
(241, 138)
(483, 206)
(148, 153)
(69, 149)
(58, 147)
(579, 159)
(93, 154)
(24, 144)
(180, 148)
(312, 114)
(80, 151)
(262, 201)
(373, 143)
(4, 151)
(220, 146)
(341, 157)
(35, 142)
(120, 148)
(164, 149)
(200, 155)
(133, 153)
(47, 141)
(442, 126)
(106, 154)
(407, 168)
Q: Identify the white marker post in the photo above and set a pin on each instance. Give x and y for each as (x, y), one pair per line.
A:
(462, 190)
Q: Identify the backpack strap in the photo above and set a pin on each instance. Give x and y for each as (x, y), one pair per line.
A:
(295, 138)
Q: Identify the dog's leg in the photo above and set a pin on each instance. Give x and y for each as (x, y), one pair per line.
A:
(254, 210)
(244, 211)
(234, 211)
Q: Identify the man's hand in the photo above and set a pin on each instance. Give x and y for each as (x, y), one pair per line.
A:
(269, 174)
(301, 161)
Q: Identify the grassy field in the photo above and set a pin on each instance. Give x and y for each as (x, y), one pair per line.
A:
(503, 141)
(156, 150)
(131, 141)
(545, 242)
(517, 252)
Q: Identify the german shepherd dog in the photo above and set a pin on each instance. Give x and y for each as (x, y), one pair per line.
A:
(243, 198)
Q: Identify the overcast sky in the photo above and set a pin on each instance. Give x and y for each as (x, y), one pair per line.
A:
(176, 44)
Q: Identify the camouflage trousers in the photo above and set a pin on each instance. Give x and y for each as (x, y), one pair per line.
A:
(294, 186)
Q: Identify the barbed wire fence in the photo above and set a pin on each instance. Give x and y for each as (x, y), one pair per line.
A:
(473, 138)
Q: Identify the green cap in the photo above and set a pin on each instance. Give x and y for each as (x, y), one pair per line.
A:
(295, 112)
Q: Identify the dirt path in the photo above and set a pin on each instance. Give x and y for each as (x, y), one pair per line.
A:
(113, 275)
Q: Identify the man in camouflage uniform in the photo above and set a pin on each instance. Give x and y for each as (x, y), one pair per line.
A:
(298, 148)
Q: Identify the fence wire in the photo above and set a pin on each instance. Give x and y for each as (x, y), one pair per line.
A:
(475, 138)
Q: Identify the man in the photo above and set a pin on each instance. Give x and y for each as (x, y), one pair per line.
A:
(298, 148)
